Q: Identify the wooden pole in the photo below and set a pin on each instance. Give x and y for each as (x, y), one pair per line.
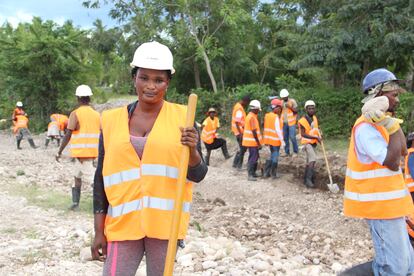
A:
(179, 198)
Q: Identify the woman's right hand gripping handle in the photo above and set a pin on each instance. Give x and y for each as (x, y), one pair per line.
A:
(99, 245)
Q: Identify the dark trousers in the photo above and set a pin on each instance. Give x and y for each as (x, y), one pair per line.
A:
(253, 155)
(238, 158)
(217, 143)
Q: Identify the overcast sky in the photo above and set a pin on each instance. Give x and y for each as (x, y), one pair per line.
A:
(15, 11)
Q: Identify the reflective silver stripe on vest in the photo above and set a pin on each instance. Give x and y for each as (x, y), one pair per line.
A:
(248, 131)
(411, 184)
(159, 170)
(371, 173)
(272, 138)
(145, 202)
(208, 132)
(85, 135)
(249, 139)
(83, 146)
(376, 196)
(120, 177)
(270, 130)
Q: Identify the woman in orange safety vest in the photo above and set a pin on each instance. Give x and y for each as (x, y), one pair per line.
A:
(136, 178)
(210, 137)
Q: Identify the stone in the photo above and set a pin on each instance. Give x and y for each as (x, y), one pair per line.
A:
(209, 264)
(186, 260)
(336, 267)
(85, 254)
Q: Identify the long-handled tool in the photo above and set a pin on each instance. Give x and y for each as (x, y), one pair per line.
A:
(333, 187)
(179, 198)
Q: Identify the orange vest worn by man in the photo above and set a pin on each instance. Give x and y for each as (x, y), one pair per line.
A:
(238, 119)
(310, 130)
(209, 130)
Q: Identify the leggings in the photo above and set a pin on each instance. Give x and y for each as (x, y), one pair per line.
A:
(124, 257)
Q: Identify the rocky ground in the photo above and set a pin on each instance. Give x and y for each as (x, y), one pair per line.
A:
(268, 227)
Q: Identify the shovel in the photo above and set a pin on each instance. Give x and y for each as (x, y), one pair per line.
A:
(333, 187)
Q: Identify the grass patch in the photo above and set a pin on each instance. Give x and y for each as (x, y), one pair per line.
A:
(338, 145)
(49, 199)
(20, 172)
(33, 257)
(8, 230)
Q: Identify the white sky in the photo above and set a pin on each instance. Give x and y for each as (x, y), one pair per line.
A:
(15, 11)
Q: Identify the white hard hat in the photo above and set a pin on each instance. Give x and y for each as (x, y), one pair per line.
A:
(83, 91)
(310, 102)
(284, 93)
(19, 104)
(153, 55)
(255, 104)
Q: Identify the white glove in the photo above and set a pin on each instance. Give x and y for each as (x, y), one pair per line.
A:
(375, 109)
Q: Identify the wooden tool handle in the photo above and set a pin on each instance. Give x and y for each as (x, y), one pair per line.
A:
(179, 198)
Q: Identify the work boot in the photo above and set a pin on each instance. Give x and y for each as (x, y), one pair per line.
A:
(58, 142)
(308, 177)
(267, 169)
(225, 151)
(240, 164)
(273, 170)
(76, 192)
(250, 175)
(364, 269)
(208, 157)
(32, 144)
(47, 142)
(18, 141)
(236, 160)
(254, 170)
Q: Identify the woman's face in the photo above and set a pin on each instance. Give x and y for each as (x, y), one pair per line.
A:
(151, 85)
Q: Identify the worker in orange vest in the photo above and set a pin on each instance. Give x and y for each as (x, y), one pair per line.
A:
(53, 131)
(136, 178)
(374, 185)
(21, 130)
(18, 111)
(83, 135)
(210, 137)
(309, 131)
(238, 119)
(289, 114)
(252, 139)
(62, 121)
(273, 137)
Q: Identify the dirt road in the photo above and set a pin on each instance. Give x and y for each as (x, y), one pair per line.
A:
(269, 227)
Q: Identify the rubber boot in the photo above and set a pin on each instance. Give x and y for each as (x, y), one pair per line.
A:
(18, 141)
(225, 151)
(58, 142)
(267, 169)
(308, 177)
(208, 157)
(273, 170)
(47, 142)
(254, 170)
(76, 192)
(250, 175)
(32, 144)
(364, 269)
(240, 164)
(236, 160)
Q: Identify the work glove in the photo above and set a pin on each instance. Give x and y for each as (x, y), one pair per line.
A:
(375, 111)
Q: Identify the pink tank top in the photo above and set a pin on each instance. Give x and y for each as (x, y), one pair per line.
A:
(138, 143)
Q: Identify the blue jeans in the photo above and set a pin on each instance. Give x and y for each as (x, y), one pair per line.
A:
(289, 132)
(393, 251)
(274, 153)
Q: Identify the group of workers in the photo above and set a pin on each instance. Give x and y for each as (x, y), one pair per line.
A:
(279, 129)
(137, 167)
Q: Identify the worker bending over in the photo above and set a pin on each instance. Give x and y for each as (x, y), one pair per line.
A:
(309, 131)
(252, 139)
(83, 134)
(289, 114)
(210, 137)
(273, 137)
(53, 132)
(237, 127)
(374, 185)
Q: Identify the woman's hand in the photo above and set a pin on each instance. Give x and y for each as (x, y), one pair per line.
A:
(189, 137)
(98, 247)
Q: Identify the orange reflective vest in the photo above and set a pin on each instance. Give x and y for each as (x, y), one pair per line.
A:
(84, 141)
(270, 136)
(209, 130)
(238, 107)
(21, 122)
(409, 181)
(61, 119)
(141, 192)
(248, 138)
(291, 117)
(53, 123)
(373, 191)
(312, 130)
